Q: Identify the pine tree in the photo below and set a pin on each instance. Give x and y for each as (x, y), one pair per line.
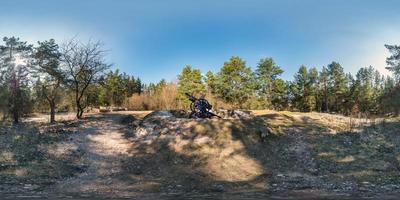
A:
(4, 90)
(139, 86)
(190, 81)
(40, 101)
(303, 89)
(337, 86)
(14, 56)
(364, 89)
(47, 61)
(393, 95)
(114, 89)
(210, 82)
(267, 73)
(323, 91)
(160, 86)
(280, 98)
(390, 94)
(349, 105)
(235, 82)
(130, 83)
(393, 61)
(312, 89)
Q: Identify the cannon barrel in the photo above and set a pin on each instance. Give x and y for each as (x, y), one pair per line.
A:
(191, 97)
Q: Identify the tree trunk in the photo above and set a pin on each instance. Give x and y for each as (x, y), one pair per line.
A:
(52, 111)
(80, 113)
(78, 102)
(326, 106)
(16, 117)
(326, 99)
(15, 103)
(79, 110)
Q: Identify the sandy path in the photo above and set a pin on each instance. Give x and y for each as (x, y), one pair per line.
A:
(102, 144)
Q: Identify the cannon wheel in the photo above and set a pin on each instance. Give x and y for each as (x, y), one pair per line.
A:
(194, 110)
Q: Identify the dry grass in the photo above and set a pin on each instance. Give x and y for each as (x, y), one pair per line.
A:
(29, 157)
(303, 151)
(165, 98)
(224, 157)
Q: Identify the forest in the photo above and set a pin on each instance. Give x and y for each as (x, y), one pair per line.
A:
(48, 77)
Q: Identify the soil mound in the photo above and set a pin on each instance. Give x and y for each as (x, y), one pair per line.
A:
(234, 114)
(175, 122)
(201, 150)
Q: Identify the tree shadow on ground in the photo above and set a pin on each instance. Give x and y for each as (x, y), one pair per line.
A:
(301, 154)
(26, 157)
(25, 165)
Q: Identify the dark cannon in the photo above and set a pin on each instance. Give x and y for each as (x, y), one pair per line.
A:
(200, 107)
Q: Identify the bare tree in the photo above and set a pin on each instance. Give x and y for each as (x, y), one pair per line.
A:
(83, 64)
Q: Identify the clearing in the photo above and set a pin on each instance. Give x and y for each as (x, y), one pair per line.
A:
(164, 155)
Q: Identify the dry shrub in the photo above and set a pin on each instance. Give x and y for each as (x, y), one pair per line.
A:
(166, 98)
(140, 102)
(151, 100)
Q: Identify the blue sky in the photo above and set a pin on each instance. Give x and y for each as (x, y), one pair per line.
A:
(153, 39)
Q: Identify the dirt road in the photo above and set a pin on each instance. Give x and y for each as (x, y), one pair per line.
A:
(103, 147)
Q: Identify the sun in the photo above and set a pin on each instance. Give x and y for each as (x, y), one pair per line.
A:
(19, 60)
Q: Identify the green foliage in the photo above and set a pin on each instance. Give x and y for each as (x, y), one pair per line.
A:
(280, 97)
(365, 90)
(390, 98)
(47, 62)
(253, 103)
(132, 85)
(337, 86)
(14, 56)
(160, 86)
(391, 95)
(4, 95)
(267, 73)
(190, 81)
(304, 88)
(393, 61)
(235, 82)
(323, 91)
(114, 89)
(210, 81)
(73, 74)
(40, 101)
